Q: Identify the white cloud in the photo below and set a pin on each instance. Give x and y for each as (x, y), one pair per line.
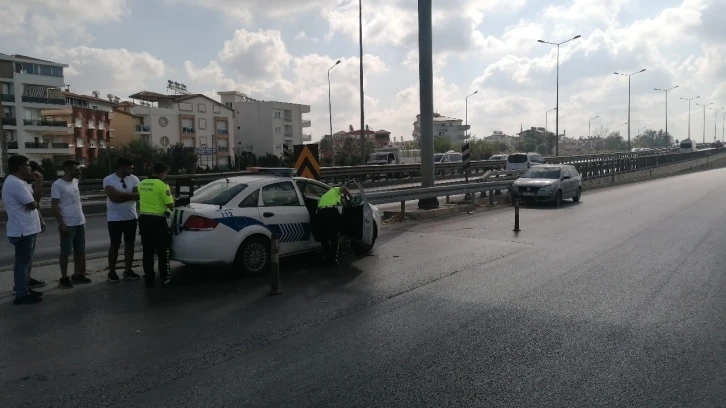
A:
(110, 70)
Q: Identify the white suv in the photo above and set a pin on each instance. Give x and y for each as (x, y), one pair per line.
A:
(523, 161)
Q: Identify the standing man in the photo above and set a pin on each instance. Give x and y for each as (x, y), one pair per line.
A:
(121, 189)
(66, 200)
(23, 223)
(155, 204)
(328, 217)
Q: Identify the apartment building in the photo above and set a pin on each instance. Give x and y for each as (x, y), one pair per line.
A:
(265, 126)
(30, 92)
(125, 124)
(196, 121)
(444, 126)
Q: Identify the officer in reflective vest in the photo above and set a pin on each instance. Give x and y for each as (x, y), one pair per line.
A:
(155, 205)
(328, 218)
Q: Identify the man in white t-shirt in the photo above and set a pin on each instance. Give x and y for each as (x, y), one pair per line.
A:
(23, 222)
(121, 189)
(66, 200)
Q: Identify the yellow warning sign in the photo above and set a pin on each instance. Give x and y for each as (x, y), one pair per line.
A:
(307, 162)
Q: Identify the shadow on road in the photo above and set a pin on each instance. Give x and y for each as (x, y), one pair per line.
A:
(566, 205)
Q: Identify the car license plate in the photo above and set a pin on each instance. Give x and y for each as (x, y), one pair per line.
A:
(528, 194)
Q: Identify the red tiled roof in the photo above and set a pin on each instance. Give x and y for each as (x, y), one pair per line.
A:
(86, 97)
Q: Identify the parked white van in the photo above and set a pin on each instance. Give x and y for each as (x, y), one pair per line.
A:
(523, 161)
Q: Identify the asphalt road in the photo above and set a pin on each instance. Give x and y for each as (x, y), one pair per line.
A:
(616, 301)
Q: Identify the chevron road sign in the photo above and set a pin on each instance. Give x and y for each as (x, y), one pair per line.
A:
(466, 156)
(307, 162)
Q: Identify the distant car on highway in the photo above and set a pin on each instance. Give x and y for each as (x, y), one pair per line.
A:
(548, 183)
(231, 221)
(498, 157)
(523, 161)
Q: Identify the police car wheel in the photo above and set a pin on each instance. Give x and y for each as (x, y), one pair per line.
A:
(253, 256)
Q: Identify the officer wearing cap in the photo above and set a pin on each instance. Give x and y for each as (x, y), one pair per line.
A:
(155, 205)
(328, 218)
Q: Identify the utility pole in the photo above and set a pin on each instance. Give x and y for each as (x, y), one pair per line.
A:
(629, 75)
(426, 89)
(665, 143)
(362, 112)
(704, 118)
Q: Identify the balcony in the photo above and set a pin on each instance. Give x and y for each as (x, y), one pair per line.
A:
(13, 145)
(78, 123)
(45, 123)
(306, 123)
(50, 148)
(187, 129)
(102, 143)
(307, 138)
(80, 142)
(101, 125)
(223, 149)
(10, 122)
(287, 118)
(91, 124)
(288, 136)
(10, 98)
(222, 132)
(43, 101)
(143, 129)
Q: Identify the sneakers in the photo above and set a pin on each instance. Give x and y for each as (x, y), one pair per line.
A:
(166, 282)
(80, 279)
(36, 283)
(65, 283)
(131, 275)
(113, 277)
(27, 300)
(34, 293)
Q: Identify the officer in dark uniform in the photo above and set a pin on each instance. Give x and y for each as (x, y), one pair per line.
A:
(328, 218)
(155, 205)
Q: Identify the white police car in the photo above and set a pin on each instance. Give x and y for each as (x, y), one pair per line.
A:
(231, 221)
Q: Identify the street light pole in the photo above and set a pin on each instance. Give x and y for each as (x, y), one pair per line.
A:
(467, 113)
(629, 75)
(362, 112)
(715, 121)
(704, 118)
(588, 124)
(330, 112)
(557, 105)
(689, 113)
(426, 99)
(665, 142)
(547, 117)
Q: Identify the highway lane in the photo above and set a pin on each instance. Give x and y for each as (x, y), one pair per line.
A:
(48, 245)
(616, 301)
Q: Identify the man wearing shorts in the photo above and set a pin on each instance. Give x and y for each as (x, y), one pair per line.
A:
(66, 201)
(121, 189)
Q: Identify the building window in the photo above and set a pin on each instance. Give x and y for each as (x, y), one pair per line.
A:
(202, 123)
(229, 104)
(278, 115)
(216, 109)
(277, 129)
(201, 107)
(203, 141)
(187, 107)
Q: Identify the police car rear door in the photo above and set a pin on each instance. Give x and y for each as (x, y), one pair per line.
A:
(285, 215)
(368, 220)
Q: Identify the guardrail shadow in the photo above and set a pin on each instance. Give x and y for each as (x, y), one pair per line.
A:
(565, 205)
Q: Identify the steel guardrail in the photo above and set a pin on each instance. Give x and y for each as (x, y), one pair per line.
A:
(417, 193)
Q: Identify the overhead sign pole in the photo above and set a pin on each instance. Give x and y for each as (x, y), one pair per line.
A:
(426, 88)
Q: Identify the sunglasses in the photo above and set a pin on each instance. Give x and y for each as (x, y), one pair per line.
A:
(123, 183)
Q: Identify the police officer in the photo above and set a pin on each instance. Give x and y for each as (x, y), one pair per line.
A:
(155, 204)
(328, 217)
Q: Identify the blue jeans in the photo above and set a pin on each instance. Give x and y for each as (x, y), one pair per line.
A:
(24, 248)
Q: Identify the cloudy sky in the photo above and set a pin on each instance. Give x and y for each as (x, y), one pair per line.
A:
(282, 49)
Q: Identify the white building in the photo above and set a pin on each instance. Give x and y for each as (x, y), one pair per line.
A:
(265, 126)
(194, 120)
(444, 126)
(499, 137)
(29, 88)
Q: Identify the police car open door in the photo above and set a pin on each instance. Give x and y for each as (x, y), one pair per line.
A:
(358, 222)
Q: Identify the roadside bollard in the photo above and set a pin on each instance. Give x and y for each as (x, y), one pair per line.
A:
(516, 215)
(275, 266)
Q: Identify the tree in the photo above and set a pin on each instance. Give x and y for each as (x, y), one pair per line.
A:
(180, 159)
(442, 144)
(651, 138)
(614, 142)
(480, 149)
(268, 160)
(49, 171)
(500, 147)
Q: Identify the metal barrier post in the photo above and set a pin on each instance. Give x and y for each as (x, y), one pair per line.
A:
(275, 266)
(516, 215)
(491, 199)
(403, 209)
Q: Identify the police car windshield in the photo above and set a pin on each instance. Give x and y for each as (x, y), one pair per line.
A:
(217, 192)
